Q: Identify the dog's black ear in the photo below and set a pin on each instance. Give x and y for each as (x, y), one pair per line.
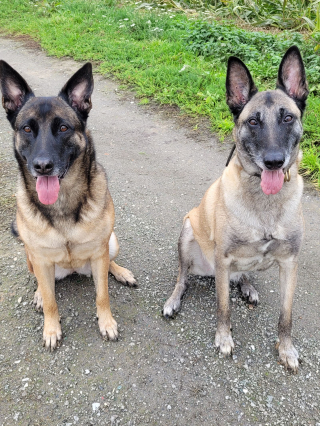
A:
(78, 90)
(240, 86)
(292, 77)
(15, 91)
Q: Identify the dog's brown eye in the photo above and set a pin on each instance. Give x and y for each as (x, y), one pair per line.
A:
(27, 129)
(253, 122)
(63, 128)
(287, 119)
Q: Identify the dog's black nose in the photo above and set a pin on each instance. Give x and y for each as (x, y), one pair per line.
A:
(273, 160)
(43, 165)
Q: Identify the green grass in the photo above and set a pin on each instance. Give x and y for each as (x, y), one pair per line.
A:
(284, 14)
(165, 56)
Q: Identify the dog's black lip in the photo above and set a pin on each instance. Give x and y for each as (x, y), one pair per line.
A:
(65, 171)
(259, 175)
(60, 177)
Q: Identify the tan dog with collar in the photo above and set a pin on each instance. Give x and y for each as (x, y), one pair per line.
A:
(249, 219)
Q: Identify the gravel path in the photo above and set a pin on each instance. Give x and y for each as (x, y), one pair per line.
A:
(159, 372)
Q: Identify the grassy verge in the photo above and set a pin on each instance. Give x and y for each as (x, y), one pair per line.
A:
(284, 14)
(166, 56)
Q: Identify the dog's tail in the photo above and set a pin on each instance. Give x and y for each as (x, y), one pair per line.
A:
(14, 229)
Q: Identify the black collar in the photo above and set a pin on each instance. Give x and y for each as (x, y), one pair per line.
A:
(231, 154)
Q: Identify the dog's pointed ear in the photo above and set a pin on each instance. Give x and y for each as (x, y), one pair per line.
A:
(240, 86)
(78, 90)
(15, 91)
(292, 77)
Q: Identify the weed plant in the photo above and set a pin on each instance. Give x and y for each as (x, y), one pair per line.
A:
(166, 56)
(283, 14)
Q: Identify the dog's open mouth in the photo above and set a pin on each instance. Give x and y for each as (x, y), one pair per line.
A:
(272, 181)
(48, 189)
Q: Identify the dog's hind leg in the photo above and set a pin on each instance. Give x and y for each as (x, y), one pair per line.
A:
(248, 291)
(14, 229)
(29, 264)
(287, 352)
(37, 300)
(121, 274)
(186, 238)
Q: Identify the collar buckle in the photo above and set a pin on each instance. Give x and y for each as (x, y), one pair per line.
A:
(287, 176)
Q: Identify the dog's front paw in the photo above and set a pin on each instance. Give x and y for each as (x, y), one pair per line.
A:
(52, 334)
(108, 327)
(37, 301)
(224, 342)
(288, 356)
(171, 307)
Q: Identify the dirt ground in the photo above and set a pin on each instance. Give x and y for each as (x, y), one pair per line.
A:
(159, 372)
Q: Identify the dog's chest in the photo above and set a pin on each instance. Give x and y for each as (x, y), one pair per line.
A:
(68, 247)
(253, 255)
(76, 251)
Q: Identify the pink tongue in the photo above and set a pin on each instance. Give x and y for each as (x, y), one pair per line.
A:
(271, 181)
(48, 189)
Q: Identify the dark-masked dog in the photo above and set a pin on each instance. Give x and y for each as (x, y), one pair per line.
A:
(251, 217)
(65, 214)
